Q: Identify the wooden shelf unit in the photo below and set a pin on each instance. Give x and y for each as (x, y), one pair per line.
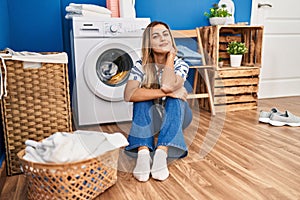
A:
(234, 88)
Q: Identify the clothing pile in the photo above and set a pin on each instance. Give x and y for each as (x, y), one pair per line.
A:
(86, 10)
(277, 118)
(62, 147)
(191, 57)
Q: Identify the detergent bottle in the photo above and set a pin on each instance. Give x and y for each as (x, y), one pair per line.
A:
(127, 9)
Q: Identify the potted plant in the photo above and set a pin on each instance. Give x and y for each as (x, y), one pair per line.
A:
(236, 51)
(220, 62)
(217, 15)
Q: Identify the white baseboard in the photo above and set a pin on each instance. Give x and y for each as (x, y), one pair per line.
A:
(279, 88)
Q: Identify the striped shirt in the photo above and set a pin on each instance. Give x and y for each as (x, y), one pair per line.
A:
(137, 73)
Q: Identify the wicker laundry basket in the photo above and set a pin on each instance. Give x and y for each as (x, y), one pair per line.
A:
(78, 180)
(37, 105)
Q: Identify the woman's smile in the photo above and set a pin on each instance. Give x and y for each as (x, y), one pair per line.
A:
(164, 44)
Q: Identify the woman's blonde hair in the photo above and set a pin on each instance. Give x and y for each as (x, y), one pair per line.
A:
(151, 79)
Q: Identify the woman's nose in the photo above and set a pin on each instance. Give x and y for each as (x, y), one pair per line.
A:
(162, 37)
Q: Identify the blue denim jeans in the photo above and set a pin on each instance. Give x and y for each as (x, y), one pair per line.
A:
(147, 121)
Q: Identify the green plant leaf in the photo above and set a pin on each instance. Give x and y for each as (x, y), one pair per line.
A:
(236, 48)
(217, 11)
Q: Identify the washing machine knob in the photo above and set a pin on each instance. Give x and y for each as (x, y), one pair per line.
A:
(114, 28)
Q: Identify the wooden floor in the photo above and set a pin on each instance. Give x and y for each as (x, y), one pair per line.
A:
(231, 156)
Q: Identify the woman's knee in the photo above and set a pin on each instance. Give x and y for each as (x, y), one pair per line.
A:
(173, 103)
(142, 104)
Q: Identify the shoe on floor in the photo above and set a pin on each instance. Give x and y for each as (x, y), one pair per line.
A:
(286, 118)
(264, 116)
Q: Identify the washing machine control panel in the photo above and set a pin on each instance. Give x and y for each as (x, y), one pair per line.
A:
(114, 28)
(111, 27)
(122, 29)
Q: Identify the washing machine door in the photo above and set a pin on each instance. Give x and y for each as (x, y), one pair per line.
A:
(107, 68)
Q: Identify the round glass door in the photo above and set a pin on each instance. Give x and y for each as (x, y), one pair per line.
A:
(107, 68)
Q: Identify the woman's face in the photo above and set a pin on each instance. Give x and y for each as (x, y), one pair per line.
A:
(160, 39)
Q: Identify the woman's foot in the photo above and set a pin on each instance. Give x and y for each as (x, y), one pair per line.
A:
(142, 168)
(159, 170)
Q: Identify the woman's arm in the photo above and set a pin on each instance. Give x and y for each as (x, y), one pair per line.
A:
(134, 93)
(170, 82)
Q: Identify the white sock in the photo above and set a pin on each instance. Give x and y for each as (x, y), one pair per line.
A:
(159, 170)
(142, 168)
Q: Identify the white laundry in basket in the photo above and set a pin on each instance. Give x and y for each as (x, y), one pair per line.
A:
(64, 147)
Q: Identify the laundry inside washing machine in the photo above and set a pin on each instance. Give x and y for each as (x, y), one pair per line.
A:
(113, 67)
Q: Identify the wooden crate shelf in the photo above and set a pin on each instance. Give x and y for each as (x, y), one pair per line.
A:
(215, 40)
(235, 88)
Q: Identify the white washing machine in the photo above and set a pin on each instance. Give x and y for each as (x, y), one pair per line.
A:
(103, 52)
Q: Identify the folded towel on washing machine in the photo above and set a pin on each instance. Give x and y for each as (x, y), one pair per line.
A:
(62, 147)
(86, 13)
(73, 7)
(86, 10)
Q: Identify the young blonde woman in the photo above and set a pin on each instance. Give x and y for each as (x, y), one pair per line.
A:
(156, 86)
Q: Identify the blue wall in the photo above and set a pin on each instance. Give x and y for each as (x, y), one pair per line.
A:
(39, 25)
(4, 41)
(4, 24)
(36, 25)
